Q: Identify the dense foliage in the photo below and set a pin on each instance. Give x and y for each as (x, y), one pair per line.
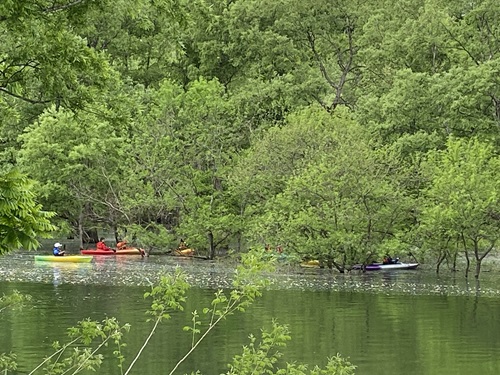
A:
(22, 220)
(338, 130)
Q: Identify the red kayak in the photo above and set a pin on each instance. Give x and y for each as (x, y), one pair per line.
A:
(128, 251)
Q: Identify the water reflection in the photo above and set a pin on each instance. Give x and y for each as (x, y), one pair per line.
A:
(63, 272)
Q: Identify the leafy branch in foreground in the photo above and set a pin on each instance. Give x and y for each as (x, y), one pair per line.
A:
(8, 362)
(22, 220)
(248, 283)
(93, 336)
(262, 358)
(247, 286)
(15, 300)
(170, 294)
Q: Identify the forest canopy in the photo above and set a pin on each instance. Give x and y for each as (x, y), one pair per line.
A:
(330, 129)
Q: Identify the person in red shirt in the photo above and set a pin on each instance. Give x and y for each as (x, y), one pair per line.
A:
(101, 245)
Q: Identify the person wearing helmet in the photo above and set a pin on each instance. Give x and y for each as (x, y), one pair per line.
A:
(57, 250)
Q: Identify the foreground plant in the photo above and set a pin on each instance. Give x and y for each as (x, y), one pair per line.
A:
(262, 357)
(170, 294)
(258, 357)
(8, 362)
(15, 300)
(81, 353)
(70, 358)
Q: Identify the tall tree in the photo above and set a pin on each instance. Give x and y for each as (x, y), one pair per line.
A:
(335, 198)
(461, 203)
(141, 38)
(76, 158)
(43, 62)
(431, 69)
(184, 145)
(312, 44)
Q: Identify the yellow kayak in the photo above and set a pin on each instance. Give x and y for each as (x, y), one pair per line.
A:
(184, 252)
(310, 263)
(64, 258)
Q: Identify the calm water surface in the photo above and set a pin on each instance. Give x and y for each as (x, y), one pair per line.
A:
(407, 322)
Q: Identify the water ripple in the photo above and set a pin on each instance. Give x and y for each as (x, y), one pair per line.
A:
(132, 270)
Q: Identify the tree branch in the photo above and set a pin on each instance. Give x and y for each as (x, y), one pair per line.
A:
(32, 101)
(312, 43)
(63, 7)
(460, 44)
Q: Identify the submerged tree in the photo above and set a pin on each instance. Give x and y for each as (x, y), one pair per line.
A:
(461, 203)
(323, 191)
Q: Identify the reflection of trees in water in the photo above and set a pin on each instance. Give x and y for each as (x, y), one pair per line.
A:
(475, 290)
(472, 291)
(473, 287)
(57, 276)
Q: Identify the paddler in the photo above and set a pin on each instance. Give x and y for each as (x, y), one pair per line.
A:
(57, 250)
(101, 245)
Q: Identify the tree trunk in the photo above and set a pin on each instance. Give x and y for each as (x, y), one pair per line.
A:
(90, 236)
(467, 264)
(455, 262)
(478, 268)
(80, 230)
(440, 260)
(211, 251)
(115, 233)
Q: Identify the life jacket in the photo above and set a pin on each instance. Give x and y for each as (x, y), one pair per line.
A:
(121, 245)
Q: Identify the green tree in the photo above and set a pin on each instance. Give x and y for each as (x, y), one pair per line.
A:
(43, 60)
(183, 147)
(334, 197)
(431, 71)
(276, 155)
(141, 38)
(312, 44)
(76, 159)
(22, 220)
(461, 203)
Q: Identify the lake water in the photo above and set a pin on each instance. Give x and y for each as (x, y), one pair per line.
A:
(406, 322)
